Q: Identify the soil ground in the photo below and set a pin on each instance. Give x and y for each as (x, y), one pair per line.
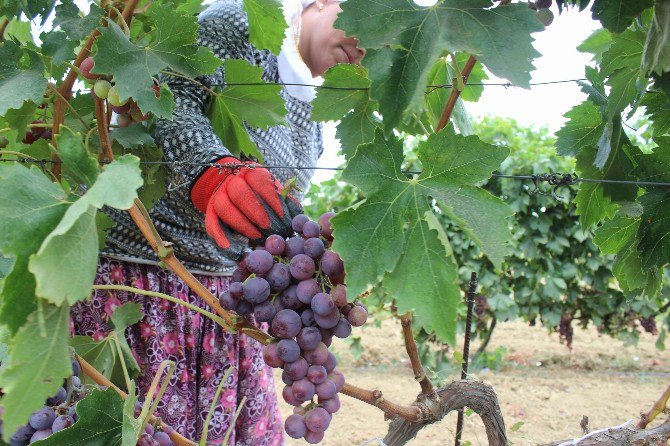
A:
(543, 388)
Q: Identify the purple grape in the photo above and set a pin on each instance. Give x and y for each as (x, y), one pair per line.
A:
(279, 277)
(343, 329)
(286, 378)
(72, 411)
(149, 429)
(256, 290)
(236, 289)
(271, 355)
(163, 439)
(57, 399)
(244, 308)
(308, 338)
(307, 289)
(289, 299)
(326, 226)
(317, 374)
(328, 321)
(278, 305)
(76, 381)
(339, 295)
(227, 301)
(286, 324)
(326, 389)
(314, 247)
(76, 368)
(290, 397)
(297, 369)
(330, 363)
(317, 419)
(298, 222)
(357, 316)
(264, 312)
(311, 229)
(303, 390)
(295, 426)
(331, 405)
(240, 274)
(294, 246)
(302, 267)
(318, 356)
(322, 304)
(300, 410)
(259, 261)
(40, 435)
(62, 422)
(289, 350)
(314, 437)
(43, 418)
(275, 245)
(22, 435)
(338, 378)
(146, 440)
(307, 317)
(331, 264)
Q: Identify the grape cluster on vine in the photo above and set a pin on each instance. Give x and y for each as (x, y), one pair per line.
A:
(297, 285)
(126, 109)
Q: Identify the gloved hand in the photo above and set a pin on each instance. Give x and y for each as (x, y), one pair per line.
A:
(246, 201)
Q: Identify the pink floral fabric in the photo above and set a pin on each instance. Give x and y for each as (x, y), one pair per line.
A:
(201, 350)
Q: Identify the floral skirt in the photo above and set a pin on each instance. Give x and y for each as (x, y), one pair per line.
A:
(201, 350)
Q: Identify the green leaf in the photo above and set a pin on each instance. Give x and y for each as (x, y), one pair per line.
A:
(132, 136)
(392, 229)
(628, 268)
(131, 426)
(458, 357)
(597, 43)
(583, 130)
(615, 234)
(266, 24)
(617, 15)
(99, 424)
(78, 164)
(516, 426)
(76, 234)
(39, 362)
(19, 118)
(404, 40)
(353, 107)
(624, 90)
(236, 105)
(654, 231)
(656, 58)
(133, 66)
(21, 77)
(658, 108)
(56, 45)
(74, 23)
(31, 207)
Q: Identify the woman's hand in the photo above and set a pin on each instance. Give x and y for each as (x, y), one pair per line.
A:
(247, 200)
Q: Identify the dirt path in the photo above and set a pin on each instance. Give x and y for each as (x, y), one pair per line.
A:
(540, 384)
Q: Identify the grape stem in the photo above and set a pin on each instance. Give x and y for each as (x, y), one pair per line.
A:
(100, 379)
(124, 367)
(3, 25)
(658, 408)
(215, 401)
(149, 406)
(413, 353)
(103, 132)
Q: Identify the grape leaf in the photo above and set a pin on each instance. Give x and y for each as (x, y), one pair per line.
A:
(77, 164)
(583, 130)
(404, 40)
(38, 364)
(19, 118)
(21, 77)
(597, 43)
(131, 426)
(628, 269)
(617, 15)
(616, 233)
(117, 187)
(31, 207)
(353, 107)
(76, 25)
(31, 9)
(132, 136)
(133, 66)
(236, 105)
(656, 57)
(99, 424)
(266, 24)
(658, 110)
(56, 45)
(375, 230)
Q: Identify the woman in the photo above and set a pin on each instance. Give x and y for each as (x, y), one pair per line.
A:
(209, 221)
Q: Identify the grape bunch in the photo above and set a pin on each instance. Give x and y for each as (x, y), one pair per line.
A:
(58, 412)
(126, 109)
(297, 285)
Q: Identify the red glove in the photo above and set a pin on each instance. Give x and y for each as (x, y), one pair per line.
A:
(245, 200)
